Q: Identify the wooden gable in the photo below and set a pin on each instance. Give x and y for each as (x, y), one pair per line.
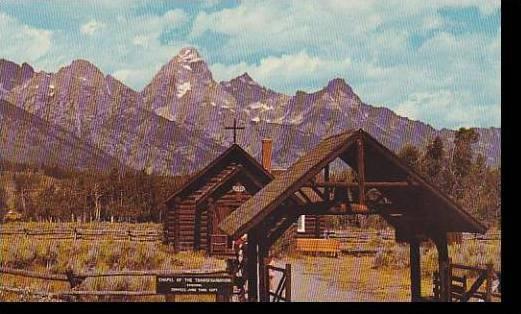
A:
(425, 205)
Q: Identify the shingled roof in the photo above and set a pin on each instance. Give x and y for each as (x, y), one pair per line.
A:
(233, 156)
(434, 207)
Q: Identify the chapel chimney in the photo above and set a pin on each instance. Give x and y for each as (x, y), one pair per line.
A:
(267, 147)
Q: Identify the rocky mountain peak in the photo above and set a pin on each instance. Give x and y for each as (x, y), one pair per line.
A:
(188, 55)
(81, 63)
(188, 106)
(27, 69)
(83, 70)
(245, 77)
(185, 64)
(242, 81)
(339, 85)
(12, 75)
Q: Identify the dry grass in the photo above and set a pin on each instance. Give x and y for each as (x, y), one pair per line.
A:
(469, 252)
(58, 256)
(383, 276)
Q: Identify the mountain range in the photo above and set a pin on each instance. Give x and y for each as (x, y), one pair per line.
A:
(175, 125)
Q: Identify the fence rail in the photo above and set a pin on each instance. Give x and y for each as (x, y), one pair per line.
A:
(359, 241)
(76, 278)
(459, 288)
(86, 234)
(349, 237)
(365, 235)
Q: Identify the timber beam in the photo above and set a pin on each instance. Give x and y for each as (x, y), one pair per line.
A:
(391, 184)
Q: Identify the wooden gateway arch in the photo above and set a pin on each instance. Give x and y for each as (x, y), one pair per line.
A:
(384, 185)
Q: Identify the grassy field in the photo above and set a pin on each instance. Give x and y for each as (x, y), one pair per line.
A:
(383, 276)
(58, 256)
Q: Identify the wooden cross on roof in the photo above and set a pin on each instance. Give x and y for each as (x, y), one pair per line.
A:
(234, 128)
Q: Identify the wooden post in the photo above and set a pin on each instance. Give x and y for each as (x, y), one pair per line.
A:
(488, 287)
(443, 264)
(263, 276)
(288, 283)
(361, 171)
(210, 224)
(252, 267)
(326, 179)
(414, 258)
(263, 271)
(449, 279)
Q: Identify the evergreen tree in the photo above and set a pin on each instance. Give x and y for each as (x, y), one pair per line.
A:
(434, 158)
(462, 156)
(462, 159)
(411, 156)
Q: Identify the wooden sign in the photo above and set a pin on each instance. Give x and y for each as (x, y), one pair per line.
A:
(187, 284)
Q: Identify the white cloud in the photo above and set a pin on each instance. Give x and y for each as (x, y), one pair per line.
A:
(20, 42)
(175, 17)
(127, 46)
(289, 45)
(91, 27)
(285, 70)
(141, 40)
(375, 36)
(133, 77)
(450, 109)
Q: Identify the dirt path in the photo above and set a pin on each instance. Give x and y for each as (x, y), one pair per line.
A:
(347, 278)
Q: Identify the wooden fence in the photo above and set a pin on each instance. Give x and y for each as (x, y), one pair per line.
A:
(364, 236)
(283, 288)
(459, 288)
(351, 240)
(75, 280)
(358, 241)
(85, 234)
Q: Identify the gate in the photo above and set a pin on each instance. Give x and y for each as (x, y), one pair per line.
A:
(458, 286)
(282, 290)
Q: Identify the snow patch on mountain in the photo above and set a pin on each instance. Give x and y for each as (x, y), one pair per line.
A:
(189, 55)
(259, 105)
(182, 89)
(165, 112)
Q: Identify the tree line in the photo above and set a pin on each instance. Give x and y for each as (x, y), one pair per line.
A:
(53, 194)
(460, 173)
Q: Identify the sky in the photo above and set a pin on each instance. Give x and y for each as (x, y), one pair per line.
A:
(437, 61)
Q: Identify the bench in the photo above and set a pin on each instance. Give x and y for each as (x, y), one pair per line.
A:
(316, 246)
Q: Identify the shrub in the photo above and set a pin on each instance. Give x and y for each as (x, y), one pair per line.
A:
(393, 255)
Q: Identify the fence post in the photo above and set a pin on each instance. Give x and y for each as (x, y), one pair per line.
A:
(449, 280)
(288, 283)
(129, 233)
(488, 287)
(75, 234)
